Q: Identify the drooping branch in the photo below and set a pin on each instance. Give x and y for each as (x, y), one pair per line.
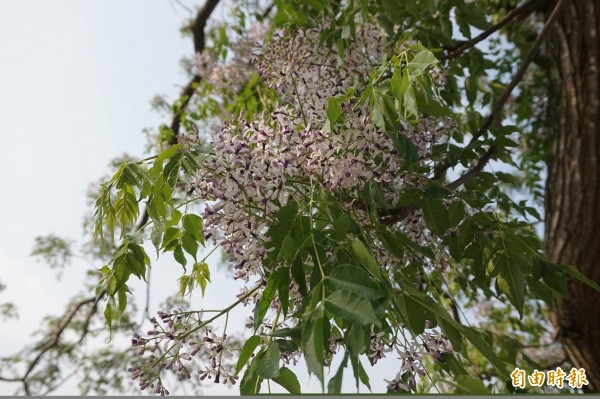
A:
(522, 10)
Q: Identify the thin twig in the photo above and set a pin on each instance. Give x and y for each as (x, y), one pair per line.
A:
(57, 334)
(517, 78)
(59, 383)
(520, 72)
(473, 172)
(525, 8)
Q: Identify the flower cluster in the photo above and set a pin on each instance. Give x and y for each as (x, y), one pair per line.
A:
(259, 163)
(231, 74)
(434, 344)
(174, 342)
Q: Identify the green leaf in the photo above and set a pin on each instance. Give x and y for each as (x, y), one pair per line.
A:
(171, 238)
(406, 148)
(409, 103)
(288, 380)
(435, 191)
(468, 13)
(475, 337)
(359, 372)
(436, 216)
(362, 375)
(341, 227)
(313, 341)
(373, 195)
(264, 303)
(499, 259)
(472, 88)
(432, 107)
(287, 345)
(451, 331)
(365, 258)
(251, 381)
(398, 240)
(122, 300)
(298, 273)
(351, 306)
(390, 242)
(334, 111)
(555, 279)
(189, 243)
(288, 250)
(285, 220)
(421, 62)
(456, 213)
(414, 313)
(467, 384)
(537, 270)
(335, 383)
(267, 363)
(202, 275)
(512, 282)
(572, 270)
(355, 339)
(355, 279)
(108, 317)
(179, 256)
(283, 289)
(247, 350)
(397, 86)
(166, 154)
(192, 224)
(157, 235)
(184, 284)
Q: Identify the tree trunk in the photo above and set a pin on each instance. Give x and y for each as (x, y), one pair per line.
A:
(573, 184)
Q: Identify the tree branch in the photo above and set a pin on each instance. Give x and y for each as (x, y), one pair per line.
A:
(199, 36)
(525, 8)
(197, 28)
(55, 340)
(535, 47)
(199, 24)
(517, 78)
(396, 214)
(473, 172)
(57, 334)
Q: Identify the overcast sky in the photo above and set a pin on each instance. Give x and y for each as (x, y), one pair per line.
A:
(76, 80)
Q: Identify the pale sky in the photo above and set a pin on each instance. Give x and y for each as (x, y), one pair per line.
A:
(76, 80)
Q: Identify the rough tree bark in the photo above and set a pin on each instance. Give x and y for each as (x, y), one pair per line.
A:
(573, 183)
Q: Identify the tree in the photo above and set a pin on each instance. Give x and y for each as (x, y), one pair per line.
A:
(374, 172)
(571, 217)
